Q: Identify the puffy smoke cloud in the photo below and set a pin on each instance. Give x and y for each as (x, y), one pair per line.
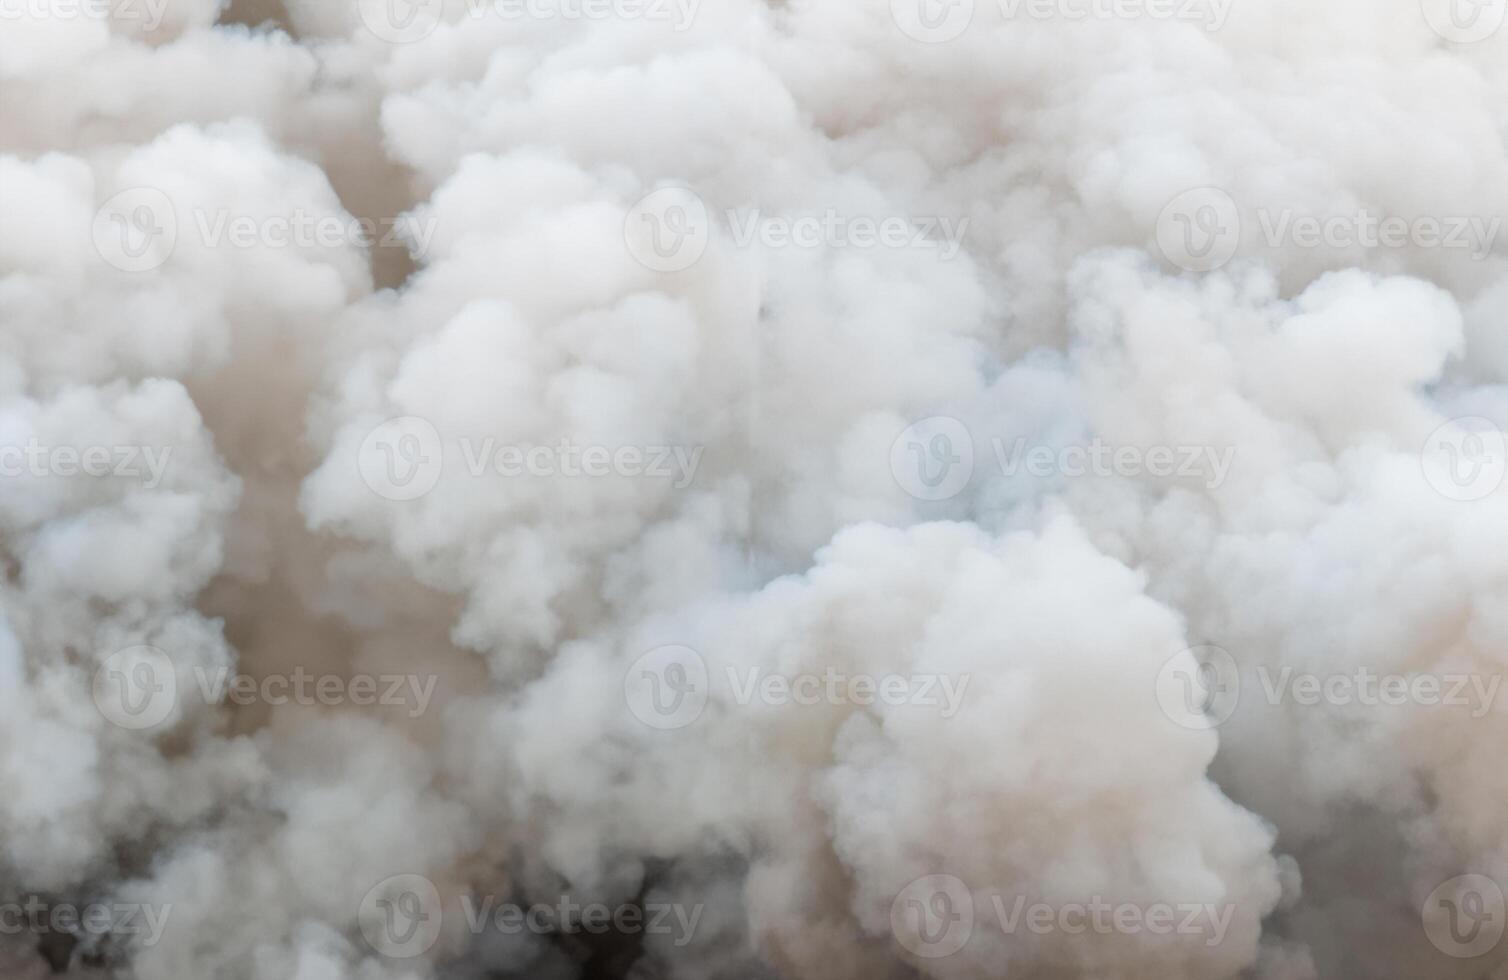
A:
(881, 489)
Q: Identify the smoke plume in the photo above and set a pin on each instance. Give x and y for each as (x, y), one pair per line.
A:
(753, 489)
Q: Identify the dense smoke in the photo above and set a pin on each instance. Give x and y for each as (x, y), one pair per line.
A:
(753, 489)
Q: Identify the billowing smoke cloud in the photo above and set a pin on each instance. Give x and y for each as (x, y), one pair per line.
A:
(757, 489)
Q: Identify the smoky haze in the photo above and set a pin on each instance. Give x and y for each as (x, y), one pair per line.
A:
(753, 490)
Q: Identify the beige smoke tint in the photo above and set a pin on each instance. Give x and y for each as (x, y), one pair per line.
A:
(769, 489)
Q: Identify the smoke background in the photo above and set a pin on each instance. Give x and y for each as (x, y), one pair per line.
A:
(504, 161)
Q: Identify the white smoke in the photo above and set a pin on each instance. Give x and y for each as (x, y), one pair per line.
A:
(990, 540)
